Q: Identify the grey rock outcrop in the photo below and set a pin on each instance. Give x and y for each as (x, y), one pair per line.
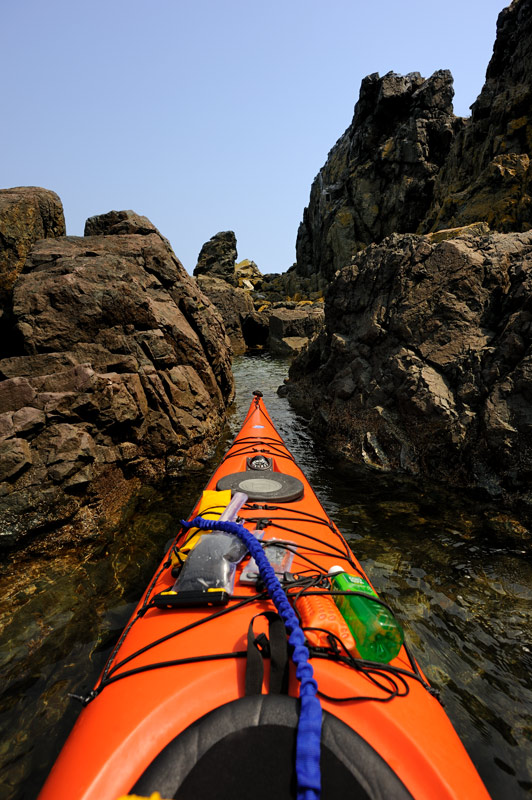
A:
(125, 375)
(407, 164)
(425, 365)
(379, 177)
(488, 173)
(229, 286)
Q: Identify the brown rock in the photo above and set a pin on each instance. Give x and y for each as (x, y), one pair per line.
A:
(119, 223)
(217, 257)
(234, 305)
(15, 393)
(27, 421)
(15, 455)
(288, 346)
(120, 348)
(27, 214)
(7, 429)
(290, 330)
(304, 321)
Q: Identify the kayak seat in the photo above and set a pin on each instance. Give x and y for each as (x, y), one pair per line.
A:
(245, 750)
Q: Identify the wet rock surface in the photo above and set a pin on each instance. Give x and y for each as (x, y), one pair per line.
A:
(122, 374)
(425, 362)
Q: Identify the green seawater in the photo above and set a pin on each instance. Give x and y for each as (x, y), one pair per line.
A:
(455, 568)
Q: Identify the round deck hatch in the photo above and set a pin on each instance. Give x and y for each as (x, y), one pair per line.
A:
(270, 486)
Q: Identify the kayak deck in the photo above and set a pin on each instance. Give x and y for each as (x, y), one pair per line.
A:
(174, 666)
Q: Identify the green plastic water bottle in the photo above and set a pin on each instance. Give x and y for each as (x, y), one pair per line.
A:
(377, 633)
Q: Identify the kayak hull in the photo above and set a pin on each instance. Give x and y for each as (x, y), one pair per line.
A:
(153, 696)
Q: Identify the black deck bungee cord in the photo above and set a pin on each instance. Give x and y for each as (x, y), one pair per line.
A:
(370, 669)
(297, 586)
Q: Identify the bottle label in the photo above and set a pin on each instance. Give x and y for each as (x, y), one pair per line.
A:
(358, 584)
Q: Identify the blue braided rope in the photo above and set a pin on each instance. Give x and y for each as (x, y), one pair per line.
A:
(308, 743)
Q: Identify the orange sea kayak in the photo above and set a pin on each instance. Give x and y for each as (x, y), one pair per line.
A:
(200, 697)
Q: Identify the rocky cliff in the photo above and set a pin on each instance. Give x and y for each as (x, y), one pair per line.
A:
(27, 214)
(425, 361)
(379, 177)
(252, 305)
(217, 257)
(121, 373)
(227, 285)
(407, 164)
(235, 306)
(425, 365)
(487, 175)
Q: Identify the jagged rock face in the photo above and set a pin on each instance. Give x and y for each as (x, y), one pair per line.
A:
(379, 177)
(125, 376)
(426, 361)
(234, 305)
(488, 175)
(27, 213)
(218, 256)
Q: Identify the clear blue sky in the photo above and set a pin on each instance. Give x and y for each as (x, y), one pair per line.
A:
(209, 115)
